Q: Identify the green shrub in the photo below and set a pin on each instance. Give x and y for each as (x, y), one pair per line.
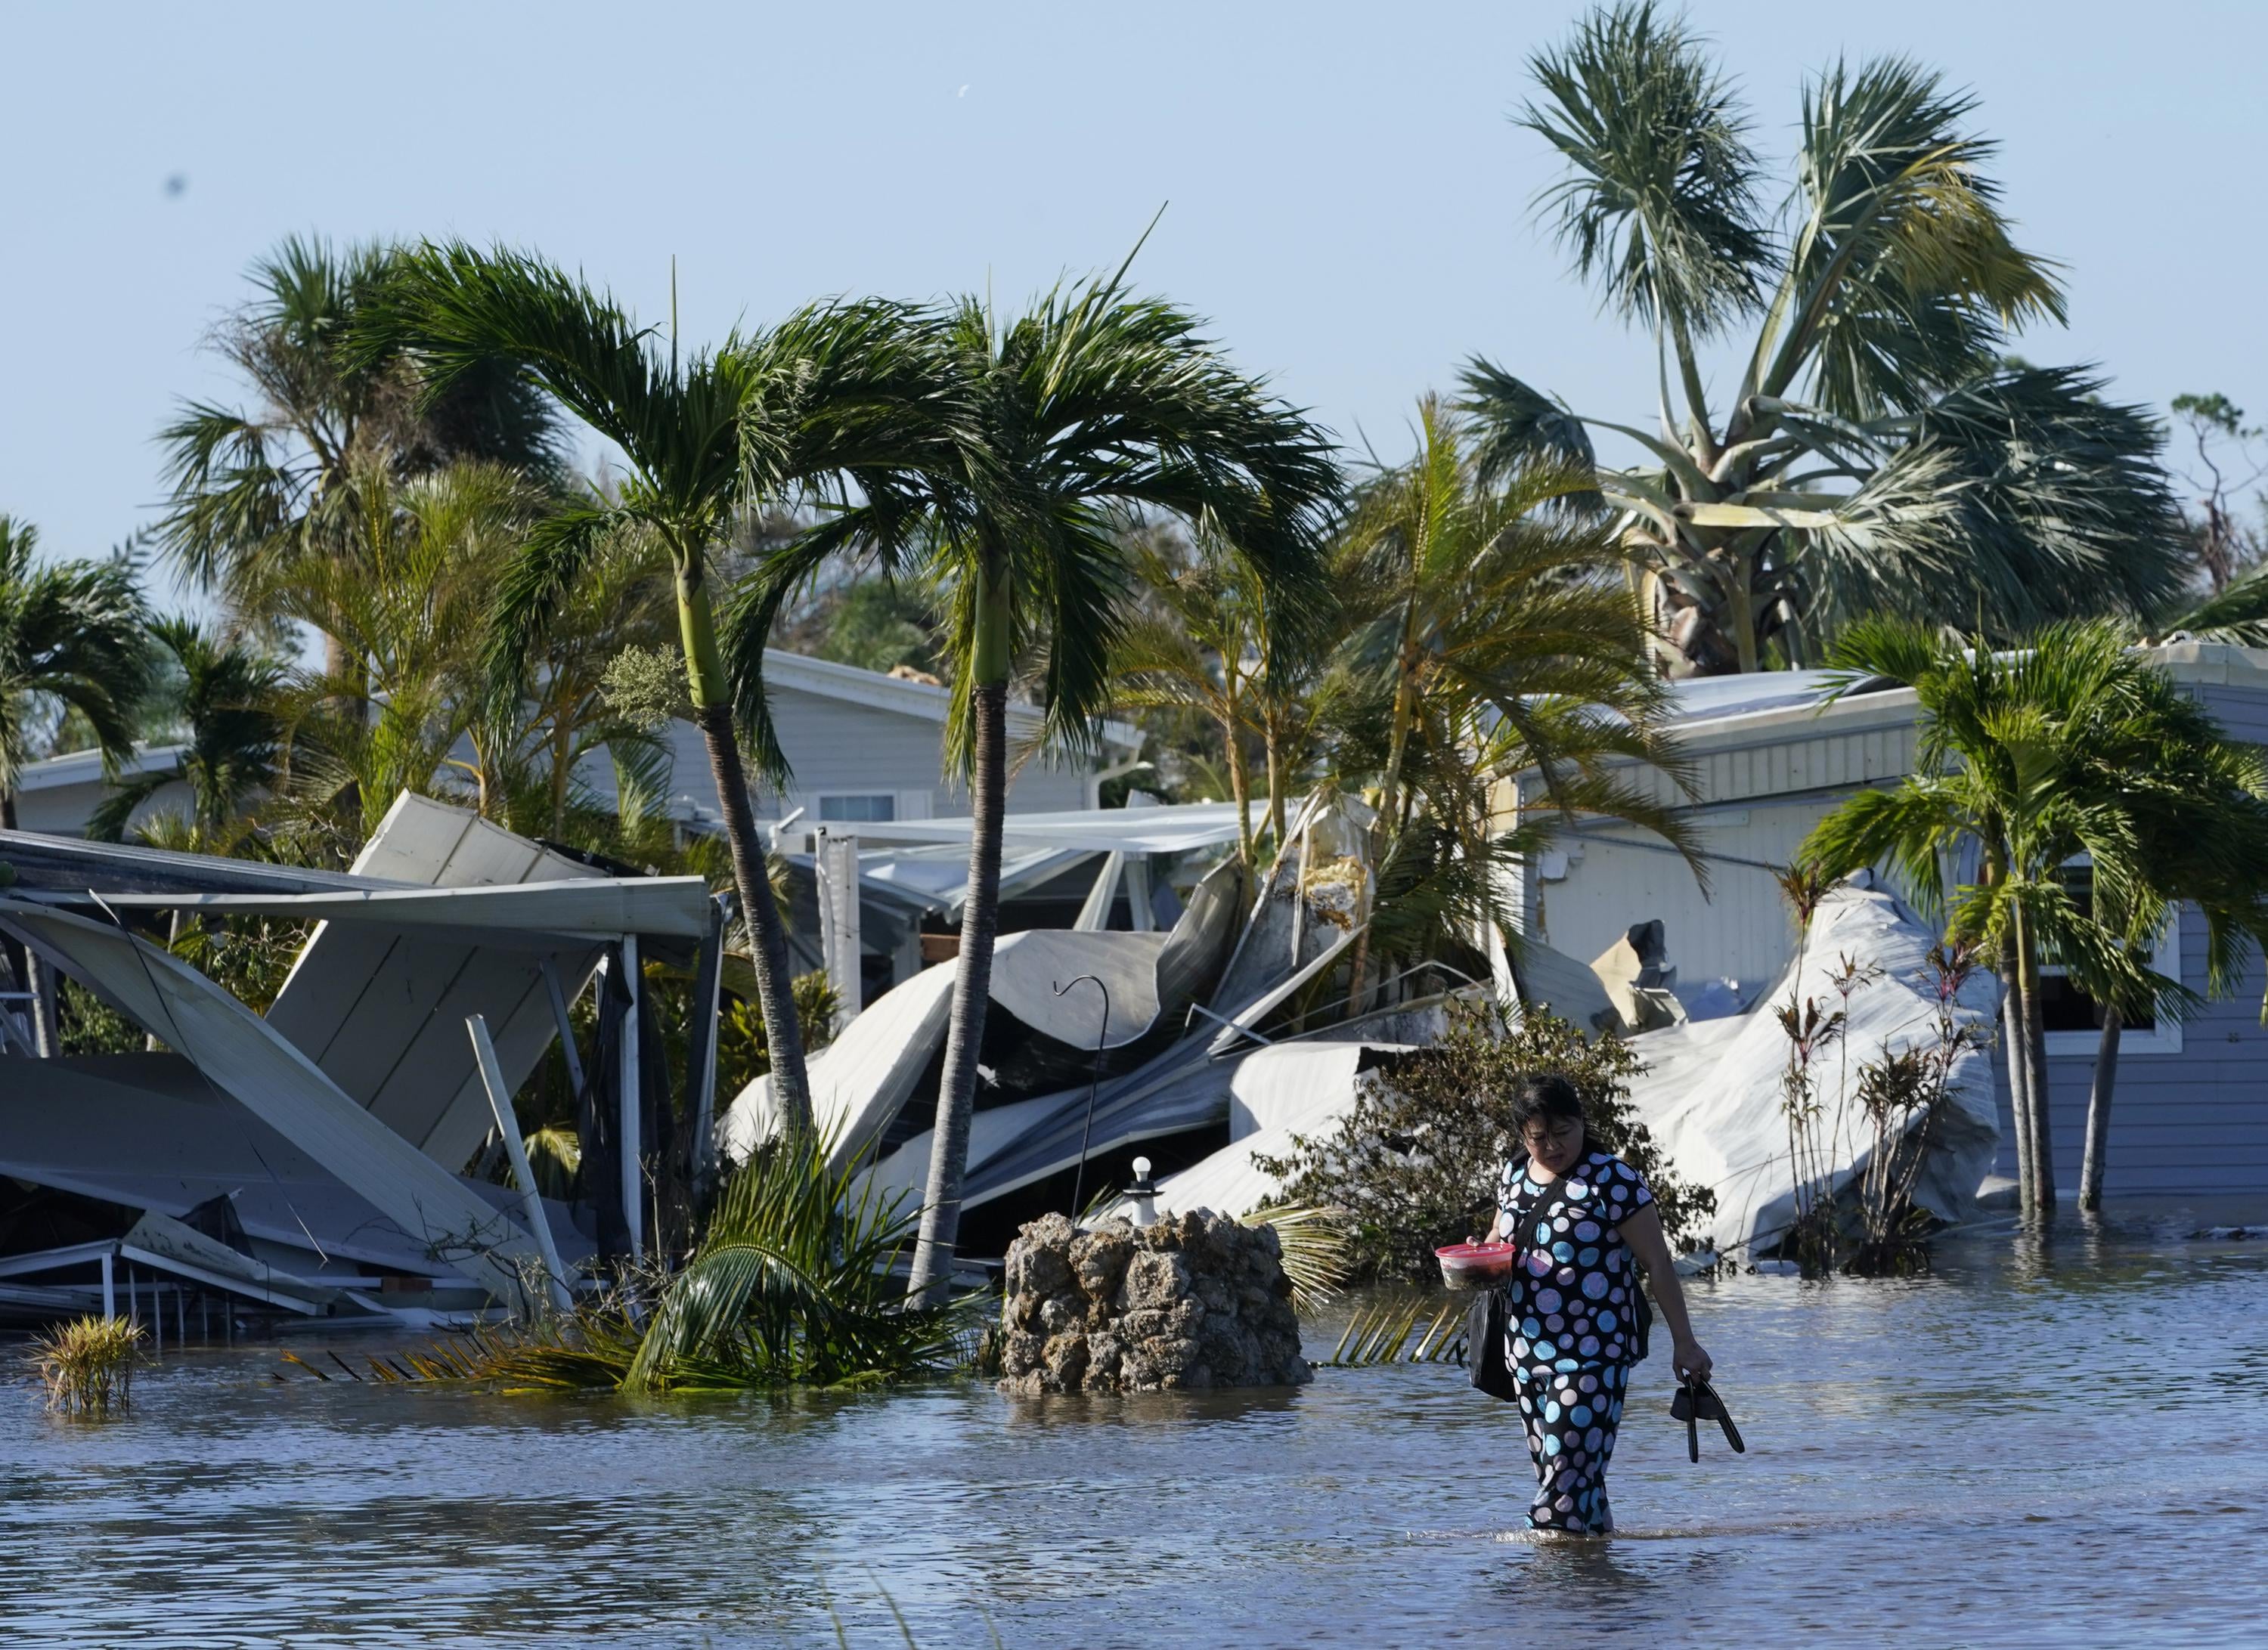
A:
(1415, 1164)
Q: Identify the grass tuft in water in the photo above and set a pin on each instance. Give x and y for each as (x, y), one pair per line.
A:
(87, 1365)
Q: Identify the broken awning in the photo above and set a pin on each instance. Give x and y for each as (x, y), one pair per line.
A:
(247, 1059)
(594, 908)
(148, 1131)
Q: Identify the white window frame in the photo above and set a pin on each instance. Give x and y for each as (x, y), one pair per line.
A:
(2164, 1037)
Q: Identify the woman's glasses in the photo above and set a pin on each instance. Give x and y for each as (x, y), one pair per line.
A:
(1563, 1134)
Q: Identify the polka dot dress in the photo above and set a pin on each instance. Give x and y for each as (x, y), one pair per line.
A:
(1571, 1312)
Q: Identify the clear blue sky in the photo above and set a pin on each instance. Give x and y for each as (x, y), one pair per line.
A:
(1349, 205)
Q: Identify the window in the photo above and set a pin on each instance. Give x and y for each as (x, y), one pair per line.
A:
(854, 810)
(2073, 1020)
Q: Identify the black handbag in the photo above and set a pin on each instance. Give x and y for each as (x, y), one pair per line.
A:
(1695, 1402)
(1487, 1350)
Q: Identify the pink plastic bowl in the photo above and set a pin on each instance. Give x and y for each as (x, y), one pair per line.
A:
(1477, 1265)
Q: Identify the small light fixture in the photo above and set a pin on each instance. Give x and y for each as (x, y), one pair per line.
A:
(1143, 1194)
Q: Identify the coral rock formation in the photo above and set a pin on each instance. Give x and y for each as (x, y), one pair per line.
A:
(1196, 1300)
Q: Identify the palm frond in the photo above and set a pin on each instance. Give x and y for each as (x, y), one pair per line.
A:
(1659, 205)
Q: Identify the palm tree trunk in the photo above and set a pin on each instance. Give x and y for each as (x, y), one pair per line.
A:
(767, 942)
(560, 733)
(1743, 605)
(2035, 1057)
(1397, 748)
(1388, 812)
(2098, 1111)
(2019, 1086)
(972, 982)
(1276, 783)
(1239, 787)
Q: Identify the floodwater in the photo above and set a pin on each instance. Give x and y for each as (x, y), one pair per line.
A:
(2033, 1444)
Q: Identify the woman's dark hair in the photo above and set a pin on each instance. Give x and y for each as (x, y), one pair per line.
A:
(1545, 1095)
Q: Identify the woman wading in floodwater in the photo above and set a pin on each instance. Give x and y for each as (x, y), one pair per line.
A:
(1579, 1216)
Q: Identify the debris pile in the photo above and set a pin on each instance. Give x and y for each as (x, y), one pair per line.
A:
(1196, 1300)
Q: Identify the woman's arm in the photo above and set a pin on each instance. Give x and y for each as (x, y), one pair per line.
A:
(1643, 1233)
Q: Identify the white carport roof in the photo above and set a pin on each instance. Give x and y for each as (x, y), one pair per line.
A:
(537, 913)
(1176, 829)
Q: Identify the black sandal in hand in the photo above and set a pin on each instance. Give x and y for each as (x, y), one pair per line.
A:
(1695, 1402)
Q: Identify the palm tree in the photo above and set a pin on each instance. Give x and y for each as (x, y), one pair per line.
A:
(229, 700)
(2037, 758)
(1092, 405)
(2195, 803)
(255, 488)
(406, 597)
(1877, 454)
(531, 746)
(1197, 651)
(70, 638)
(847, 395)
(1490, 635)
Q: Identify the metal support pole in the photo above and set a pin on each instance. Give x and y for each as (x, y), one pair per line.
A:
(834, 875)
(566, 1025)
(531, 1203)
(109, 1287)
(633, 1180)
(1142, 919)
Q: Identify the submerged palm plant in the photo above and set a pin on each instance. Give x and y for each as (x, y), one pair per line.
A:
(793, 1285)
(1876, 453)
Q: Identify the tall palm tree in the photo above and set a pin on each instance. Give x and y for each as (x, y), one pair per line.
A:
(230, 706)
(1875, 454)
(254, 488)
(1091, 405)
(70, 638)
(844, 396)
(1490, 635)
(2035, 758)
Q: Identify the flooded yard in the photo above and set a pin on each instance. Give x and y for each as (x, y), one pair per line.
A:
(2036, 1440)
